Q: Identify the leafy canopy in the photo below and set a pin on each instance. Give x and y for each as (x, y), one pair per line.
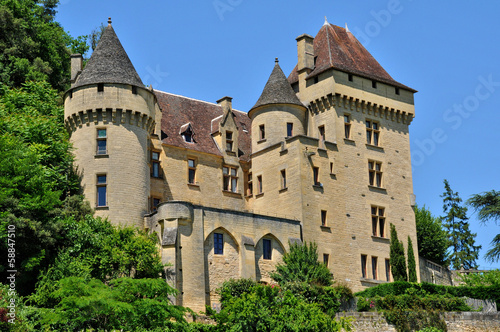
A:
(301, 264)
(432, 239)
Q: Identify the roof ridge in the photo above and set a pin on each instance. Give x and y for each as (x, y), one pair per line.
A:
(199, 100)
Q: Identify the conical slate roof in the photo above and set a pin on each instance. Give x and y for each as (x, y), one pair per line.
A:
(277, 90)
(109, 63)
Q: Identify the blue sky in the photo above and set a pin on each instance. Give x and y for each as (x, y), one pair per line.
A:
(448, 51)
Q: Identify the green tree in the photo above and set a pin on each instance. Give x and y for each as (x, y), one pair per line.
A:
(463, 251)
(95, 249)
(397, 257)
(301, 264)
(33, 47)
(412, 266)
(487, 205)
(432, 239)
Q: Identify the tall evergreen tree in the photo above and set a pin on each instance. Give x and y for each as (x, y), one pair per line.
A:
(397, 257)
(463, 251)
(487, 205)
(412, 265)
(432, 239)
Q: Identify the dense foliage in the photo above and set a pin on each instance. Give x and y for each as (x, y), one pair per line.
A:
(487, 206)
(273, 308)
(463, 251)
(301, 264)
(397, 257)
(33, 47)
(432, 239)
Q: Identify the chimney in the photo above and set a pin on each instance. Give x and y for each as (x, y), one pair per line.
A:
(226, 104)
(76, 66)
(305, 52)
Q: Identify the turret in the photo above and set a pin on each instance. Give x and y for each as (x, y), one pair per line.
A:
(278, 113)
(110, 116)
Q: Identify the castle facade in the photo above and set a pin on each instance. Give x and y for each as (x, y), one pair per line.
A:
(322, 156)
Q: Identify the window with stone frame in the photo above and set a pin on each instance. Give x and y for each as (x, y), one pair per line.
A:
(218, 244)
(372, 132)
(229, 141)
(323, 218)
(283, 178)
(374, 268)
(289, 129)
(249, 184)
(191, 171)
(347, 126)
(155, 201)
(155, 164)
(101, 186)
(363, 266)
(326, 258)
(321, 131)
(230, 178)
(267, 249)
(375, 173)
(262, 132)
(102, 141)
(388, 270)
(378, 221)
(316, 181)
(259, 184)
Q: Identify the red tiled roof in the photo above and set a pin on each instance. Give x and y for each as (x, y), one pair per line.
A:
(178, 111)
(334, 47)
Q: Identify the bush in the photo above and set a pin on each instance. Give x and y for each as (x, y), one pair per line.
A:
(234, 288)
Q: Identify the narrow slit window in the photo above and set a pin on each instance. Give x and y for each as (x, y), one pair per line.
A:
(249, 185)
(289, 129)
(262, 132)
(326, 258)
(321, 130)
(374, 268)
(283, 179)
(316, 176)
(347, 126)
(323, 218)
(191, 171)
(259, 184)
(266, 243)
(363, 266)
(387, 270)
(155, 164)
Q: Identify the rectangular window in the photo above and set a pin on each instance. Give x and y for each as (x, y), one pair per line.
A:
(191, 171)
(229, 179)
(102, 142)
(378, 221)
(218, 244)
(259, 184)
(155, 164)
(101, 190)
(323, 218)
(332, 169)
(372, 132)
(397, 90)
(326, 258)
(347, 126)
(100, 87)
(229, 141)
(249, 185)
(374, 268)
(134, 90)
(316, 176)
(289, 129)
(363, 266)
(283, 179)
(154, 203)
(374, 84)
(387, 270)
(350, 77)
(262, 132)
(321, 130)
(375, 173)
(267, 248)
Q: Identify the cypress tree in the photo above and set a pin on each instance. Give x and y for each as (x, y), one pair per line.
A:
(397, 257)
(412, 266)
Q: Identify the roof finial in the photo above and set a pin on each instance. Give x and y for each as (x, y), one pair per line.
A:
(326, 21)
(276, 60)
(346, 28)
(109, 20)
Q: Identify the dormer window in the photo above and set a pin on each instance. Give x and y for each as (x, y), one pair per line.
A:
(229, 141)
(187, 133)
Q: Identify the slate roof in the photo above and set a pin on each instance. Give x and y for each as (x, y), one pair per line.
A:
(177, 111)
(336, 47)
(109, 63)
(277, 90)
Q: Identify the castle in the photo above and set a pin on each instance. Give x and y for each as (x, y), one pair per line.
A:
(322, 156)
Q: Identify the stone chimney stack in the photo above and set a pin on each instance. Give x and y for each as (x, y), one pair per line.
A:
(76, 67)
(305, 52)
(226, 104)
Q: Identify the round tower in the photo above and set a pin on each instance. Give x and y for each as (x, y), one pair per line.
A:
(110, 116)
(278, 113)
